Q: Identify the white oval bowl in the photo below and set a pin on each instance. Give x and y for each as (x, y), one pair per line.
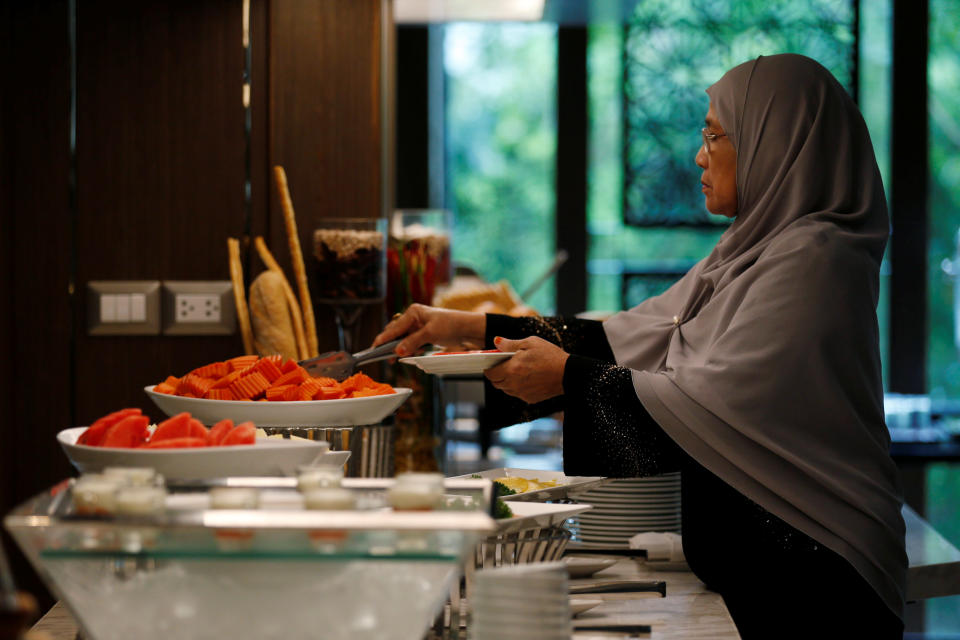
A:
(267, 457)
(345, 412)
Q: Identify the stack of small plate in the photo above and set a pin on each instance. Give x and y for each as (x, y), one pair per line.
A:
(623, 508)
(522, 602)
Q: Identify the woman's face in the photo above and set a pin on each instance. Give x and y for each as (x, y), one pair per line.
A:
(718, 159)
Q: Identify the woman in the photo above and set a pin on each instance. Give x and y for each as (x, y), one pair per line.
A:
(757, 374)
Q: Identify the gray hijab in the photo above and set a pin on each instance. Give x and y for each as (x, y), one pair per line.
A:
(762, 362)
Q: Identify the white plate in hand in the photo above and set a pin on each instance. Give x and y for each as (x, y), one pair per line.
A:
(266, 457)
(459, 363)
(298, 413)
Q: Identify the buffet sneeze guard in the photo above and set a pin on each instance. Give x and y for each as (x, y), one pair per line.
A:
(278, 571)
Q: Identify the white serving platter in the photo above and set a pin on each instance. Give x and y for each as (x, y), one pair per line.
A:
(610, 528)
(632, 508)
(628, 502)
(530, 515)
(634, 516)
(565, 484)
(645, 480)
(267, 457)
(300, 413)
(466, 363)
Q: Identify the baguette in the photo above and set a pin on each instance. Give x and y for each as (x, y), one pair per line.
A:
(270, 315)
(239, 294)
(296, 257)
(295, 317)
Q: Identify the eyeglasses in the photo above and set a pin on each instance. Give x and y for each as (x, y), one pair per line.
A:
(709, 137)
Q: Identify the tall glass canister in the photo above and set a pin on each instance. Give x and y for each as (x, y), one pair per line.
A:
(418, 264)
(418, 256)
(348, 270)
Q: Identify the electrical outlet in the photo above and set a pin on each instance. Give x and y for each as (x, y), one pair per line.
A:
(198, 308)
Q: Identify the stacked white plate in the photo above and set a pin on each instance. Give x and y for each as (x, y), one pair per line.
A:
(521, 602)
(623, 508)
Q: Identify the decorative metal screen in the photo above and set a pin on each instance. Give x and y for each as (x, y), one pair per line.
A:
(641, 282)
(673, 51)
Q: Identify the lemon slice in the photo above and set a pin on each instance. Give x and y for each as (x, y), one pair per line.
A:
(517, 484)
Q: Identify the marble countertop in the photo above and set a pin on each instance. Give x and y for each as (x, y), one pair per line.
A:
(688, 611)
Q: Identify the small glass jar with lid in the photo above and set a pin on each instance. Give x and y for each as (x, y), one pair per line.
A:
(234, 539)
(329, 498)
(416, 491)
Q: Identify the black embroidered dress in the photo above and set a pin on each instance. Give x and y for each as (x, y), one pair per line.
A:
(736, 547)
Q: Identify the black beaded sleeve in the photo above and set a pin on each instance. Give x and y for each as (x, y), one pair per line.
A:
(606, 429)
(573, 335)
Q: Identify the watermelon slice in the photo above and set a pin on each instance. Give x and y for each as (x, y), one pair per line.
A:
(243, 433)
(177, 443)
(94, 434)
(219, 432)
(197, 430)
(130, 432)
(176, 427)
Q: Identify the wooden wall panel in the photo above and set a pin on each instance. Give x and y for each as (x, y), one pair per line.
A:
(36, 255)
(325, 121)
(261, 194)
(161, 160)
(161, 166)
(6, 252)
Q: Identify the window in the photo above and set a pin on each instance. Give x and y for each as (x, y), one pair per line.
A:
(647, 224)
(943, 366)
(874, 97)
(501, 150)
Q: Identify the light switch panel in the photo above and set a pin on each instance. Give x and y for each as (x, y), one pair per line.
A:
(123, 307)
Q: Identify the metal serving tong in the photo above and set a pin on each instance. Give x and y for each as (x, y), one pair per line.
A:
(340, 364)
(653, 588)
(622, 630)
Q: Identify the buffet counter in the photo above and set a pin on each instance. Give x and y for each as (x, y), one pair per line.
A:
(689, 610)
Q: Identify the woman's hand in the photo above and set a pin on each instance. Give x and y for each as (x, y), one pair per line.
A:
(534, 373)
(431, 325)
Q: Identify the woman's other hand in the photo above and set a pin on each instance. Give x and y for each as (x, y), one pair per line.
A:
(431, 325)
(534, 373)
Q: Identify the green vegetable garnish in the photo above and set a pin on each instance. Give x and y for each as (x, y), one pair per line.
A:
(502, 510)
(502, 489)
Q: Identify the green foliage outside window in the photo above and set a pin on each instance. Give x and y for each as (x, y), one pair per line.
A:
(501, 150)
(943, 75)
(943, 291)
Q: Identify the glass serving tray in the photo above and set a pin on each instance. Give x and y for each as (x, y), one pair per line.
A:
(274, 572)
